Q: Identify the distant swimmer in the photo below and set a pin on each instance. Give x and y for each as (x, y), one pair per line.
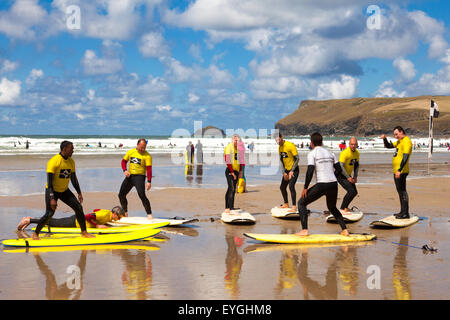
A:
(61, 169)
(289, 159)
(98, 218)
(349, 162)
(233, 171)
(400, 167)
(140, 164)
(324, 164)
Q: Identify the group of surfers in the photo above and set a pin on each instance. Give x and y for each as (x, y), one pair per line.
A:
(320, 161)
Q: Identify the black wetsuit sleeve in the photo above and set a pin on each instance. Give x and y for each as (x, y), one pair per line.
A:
(387, 144)
(355, 169)
(50, 184)
(295, 165)
(337, 169)
(309, 175)
(282, 164)
(76, 185)
(344, 172)
(404, 161)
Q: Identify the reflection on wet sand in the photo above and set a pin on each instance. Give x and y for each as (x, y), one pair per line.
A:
(233, 264)
(400, 276)
(137, 276)
(199, 174)
(55, 291)
(188, 172)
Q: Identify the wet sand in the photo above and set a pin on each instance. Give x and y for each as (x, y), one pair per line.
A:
(212, 260)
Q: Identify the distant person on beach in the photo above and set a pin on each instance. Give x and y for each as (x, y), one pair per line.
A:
(192, 152)
(349, 162)
(289, 160)
(61, 169)
(27, 144)
(400, 167)
(98, 218)
(233, 171)
(242, 182)
(199, 148)
(189, 153)
(140, 164)
(324, 164)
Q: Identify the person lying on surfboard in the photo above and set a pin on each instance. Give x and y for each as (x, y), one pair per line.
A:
(289, 159)
(324, 164)
(96, 219)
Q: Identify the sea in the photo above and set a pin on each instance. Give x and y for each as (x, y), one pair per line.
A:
(109, 144)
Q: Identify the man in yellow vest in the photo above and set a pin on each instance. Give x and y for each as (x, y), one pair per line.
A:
(61, 169)
(400, 167)
(349, 162)
(140, 165)
(233, 171)
(289, 159)
(98, 218)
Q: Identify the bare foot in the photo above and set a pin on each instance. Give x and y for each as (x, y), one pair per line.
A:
(303, 233)
(284, 206)
(25, 222)
(149, 217)
(35, 236)
(293, 209)
(345, 232)
(227, 211)
(84, 234)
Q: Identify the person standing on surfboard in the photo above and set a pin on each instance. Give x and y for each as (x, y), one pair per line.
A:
(61, 169)
(400, 167)
(324, 164)
(140, 164)
(96, 219)
(232, 172)
(349, 162)
(289, 159)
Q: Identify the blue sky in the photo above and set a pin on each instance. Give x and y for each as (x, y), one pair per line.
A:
(153, 66)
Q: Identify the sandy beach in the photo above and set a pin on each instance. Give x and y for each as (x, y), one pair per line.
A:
(212, 260)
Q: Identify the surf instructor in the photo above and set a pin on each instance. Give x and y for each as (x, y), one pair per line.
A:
(140, 165)
(61, 169)
(400, 167)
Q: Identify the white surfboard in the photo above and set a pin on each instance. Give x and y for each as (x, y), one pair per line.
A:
(393, 222)
(145, 220)
(237, 217)
(352, 216)
(278, 212)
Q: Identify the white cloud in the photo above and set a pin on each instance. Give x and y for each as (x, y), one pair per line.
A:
(9, 91)
(193, 98)
(152, 45)
(164, 108)
(93, 65)
(346, 88)
(386, 90)
(405, 67)
(8, 66)
(34, 75)
(80, 116)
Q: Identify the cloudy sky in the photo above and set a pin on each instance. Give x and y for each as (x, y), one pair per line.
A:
(153, 66)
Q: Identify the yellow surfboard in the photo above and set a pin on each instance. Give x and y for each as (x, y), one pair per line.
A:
(312, 238)
(97, 247)
(123, 229)
(77, 240)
